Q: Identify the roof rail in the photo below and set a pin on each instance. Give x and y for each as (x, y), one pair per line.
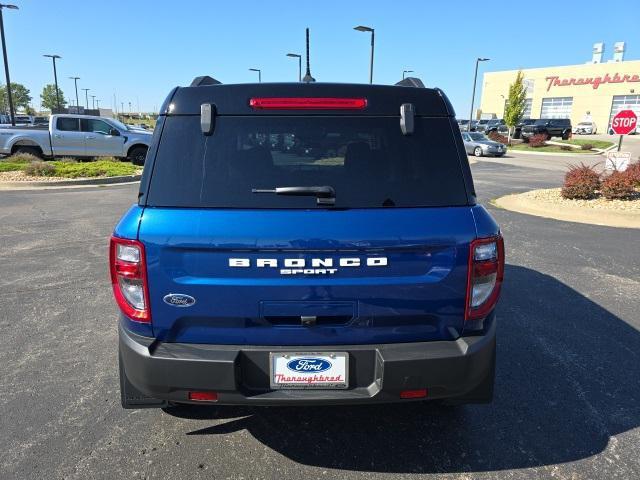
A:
(204, 80)
(410, 82)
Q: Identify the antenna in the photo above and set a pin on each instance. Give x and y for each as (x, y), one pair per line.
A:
(308, 78)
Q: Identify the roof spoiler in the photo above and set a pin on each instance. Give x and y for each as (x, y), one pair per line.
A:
(204, 80)
(410, 82)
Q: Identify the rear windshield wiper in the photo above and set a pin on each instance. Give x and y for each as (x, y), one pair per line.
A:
(325, 194)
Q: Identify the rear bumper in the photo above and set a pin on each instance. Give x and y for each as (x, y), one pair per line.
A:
(377, 373)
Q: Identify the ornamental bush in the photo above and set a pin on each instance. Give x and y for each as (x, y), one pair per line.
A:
(496, 137)
(586, 146)
(581, 182)
(539, 140)
(618, 186)
(633, 172)
(39, 169)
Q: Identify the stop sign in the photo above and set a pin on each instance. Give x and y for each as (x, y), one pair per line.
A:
(624, 122)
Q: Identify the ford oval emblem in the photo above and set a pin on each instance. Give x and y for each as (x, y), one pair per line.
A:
(309, 365)
(179, 300)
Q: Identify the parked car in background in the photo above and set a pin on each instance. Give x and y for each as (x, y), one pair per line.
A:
(477, 144)
(550, 127)
(463, 125)
(482, 125)
(517, 132)
(585, 128)
(41, 121)
(77, 136)
(24, 119)
(495, 126)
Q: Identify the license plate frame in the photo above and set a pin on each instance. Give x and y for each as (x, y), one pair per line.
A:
(276, 359)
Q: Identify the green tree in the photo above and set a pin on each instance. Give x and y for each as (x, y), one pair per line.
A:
(516, 103)
(48, 97)
(19, 94)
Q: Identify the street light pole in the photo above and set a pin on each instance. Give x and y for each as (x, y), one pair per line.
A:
(98, 103)
(405, 72)
(93, 100)
(362, 28)
(75, 80)
(86, 96)
(6, 63)
(55, 77)
(473, 95)
(299, 57)
(259, 73)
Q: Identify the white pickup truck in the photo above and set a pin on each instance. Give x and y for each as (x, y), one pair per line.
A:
(77, 136)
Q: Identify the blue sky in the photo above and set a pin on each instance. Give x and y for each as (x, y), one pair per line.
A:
(139, 50)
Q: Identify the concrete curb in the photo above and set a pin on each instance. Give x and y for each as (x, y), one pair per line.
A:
(69, 183)
(552, 154)
(605, 218)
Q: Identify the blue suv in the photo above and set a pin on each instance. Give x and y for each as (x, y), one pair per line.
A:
(306, 244)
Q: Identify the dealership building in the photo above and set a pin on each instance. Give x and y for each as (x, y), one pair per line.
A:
(594, 91)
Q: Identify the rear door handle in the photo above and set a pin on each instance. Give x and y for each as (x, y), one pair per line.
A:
(57, 135)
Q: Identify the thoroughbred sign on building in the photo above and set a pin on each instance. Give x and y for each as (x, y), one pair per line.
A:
(594, 91)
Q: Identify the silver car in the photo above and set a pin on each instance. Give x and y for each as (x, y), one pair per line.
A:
(478, 144)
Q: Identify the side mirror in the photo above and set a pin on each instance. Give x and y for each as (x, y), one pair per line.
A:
(114, 132)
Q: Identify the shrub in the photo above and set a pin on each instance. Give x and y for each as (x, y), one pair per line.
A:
(586, 146)
(633, 173)
(22, 158)
(580, 182)
(67, 160)
(617, 186)
(538, 140)
(94, 169)
(566, 148)
(40, 169)
(496, 137)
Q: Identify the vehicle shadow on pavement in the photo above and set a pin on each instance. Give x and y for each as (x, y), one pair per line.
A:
(567, 380)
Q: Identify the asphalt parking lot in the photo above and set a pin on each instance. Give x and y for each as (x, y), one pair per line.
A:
(567, 399)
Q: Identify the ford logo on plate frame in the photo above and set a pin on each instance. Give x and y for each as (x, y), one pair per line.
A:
(179, 300)
(309, 365)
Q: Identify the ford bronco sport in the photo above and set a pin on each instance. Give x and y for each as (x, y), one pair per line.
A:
(309, 244)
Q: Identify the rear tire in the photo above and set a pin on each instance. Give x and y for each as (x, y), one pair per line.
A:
(35, 151)
(137, 155)
(477, 151)
(566, 136)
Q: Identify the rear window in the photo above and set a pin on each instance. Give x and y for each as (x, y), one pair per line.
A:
(366, 160)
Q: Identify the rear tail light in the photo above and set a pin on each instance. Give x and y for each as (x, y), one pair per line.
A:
(486, 271)
(129, 278)
(307, 103)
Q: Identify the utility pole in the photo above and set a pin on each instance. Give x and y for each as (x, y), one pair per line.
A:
(6, 62)
(299, 57)
(259, 73)
(86, 96)
(75, 81)
(55, 77)
(362, 28)
(473, 95)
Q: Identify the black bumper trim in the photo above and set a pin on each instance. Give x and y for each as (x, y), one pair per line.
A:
(239, 373)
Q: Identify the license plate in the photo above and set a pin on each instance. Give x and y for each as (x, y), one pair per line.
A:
(309, 370)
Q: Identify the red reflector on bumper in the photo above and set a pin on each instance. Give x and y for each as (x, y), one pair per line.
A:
(203, 396)
(421, 393)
